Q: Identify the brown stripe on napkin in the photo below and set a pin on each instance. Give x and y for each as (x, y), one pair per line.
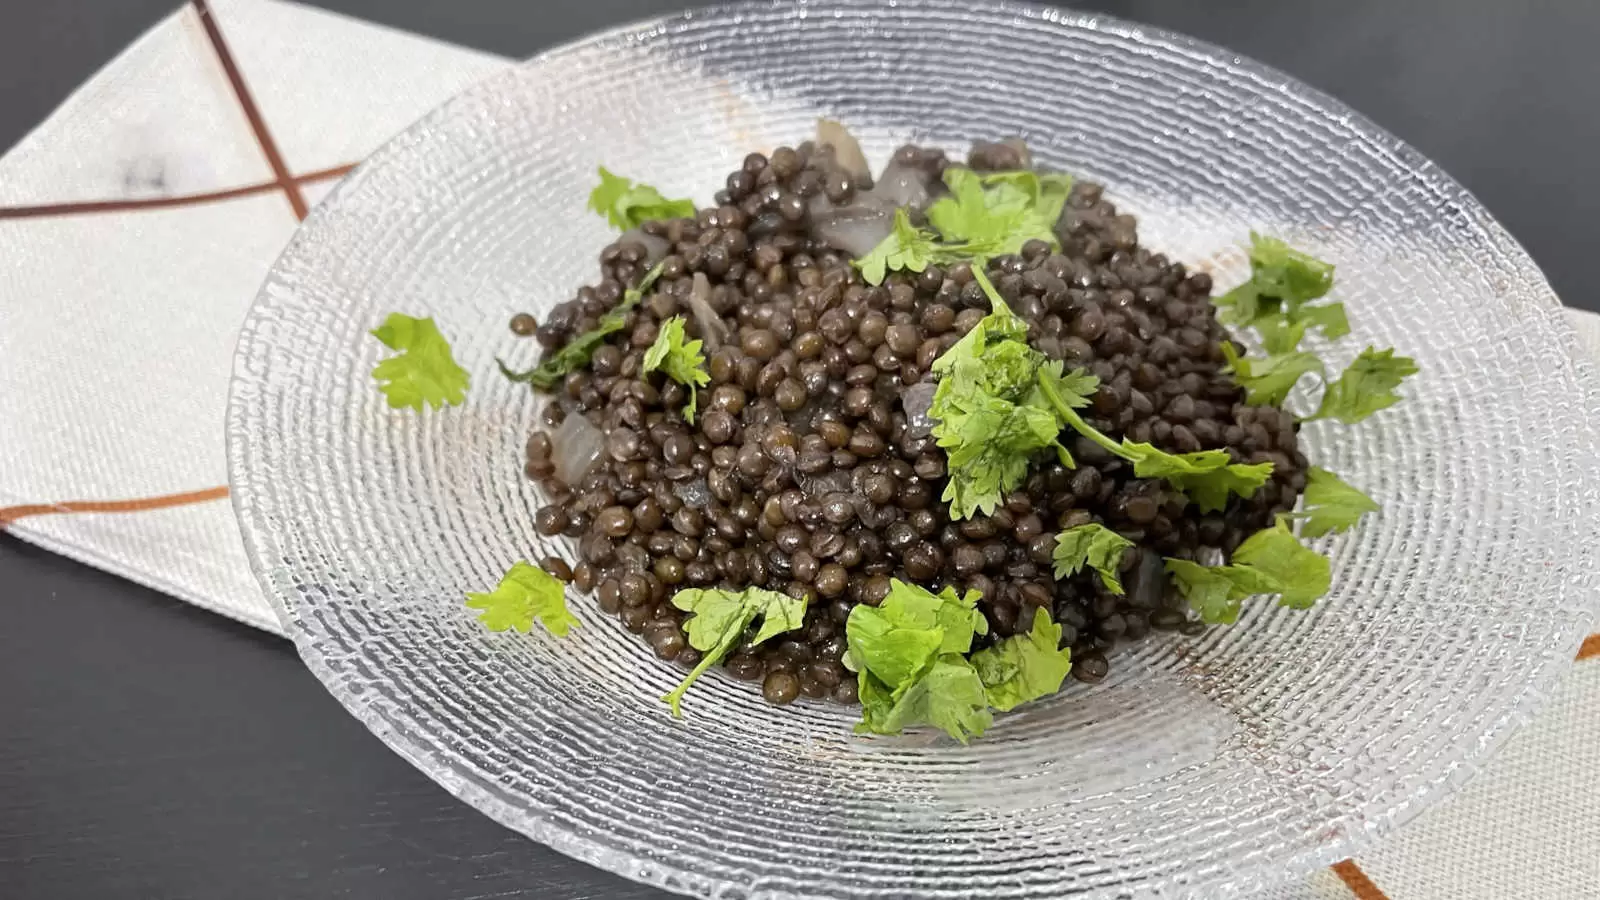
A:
(269, 147)
(10, 514)
(124, 205)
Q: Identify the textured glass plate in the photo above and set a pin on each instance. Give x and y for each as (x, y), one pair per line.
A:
(1235, 760)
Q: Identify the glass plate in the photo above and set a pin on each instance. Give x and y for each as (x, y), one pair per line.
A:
(1238, 759)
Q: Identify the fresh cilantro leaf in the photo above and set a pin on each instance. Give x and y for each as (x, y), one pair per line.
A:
(1211, 590)
(1331, 505)
(899, 637)
(576, 353)
(1205, 476)
(907, 651)
(681, 360)
(424, 373)
(1210, 490)
(527, 592)
(948, 694)
(1283, 282)
(1271, 561)
(990, 417)
(627, 205)
(1277, 336)
(1267, 380)
(1286, 273)
(996, 214)
(1330, 318)
(1024, 667)
(1093, 545)
(1285, 566)
(1366, 386)
(719, 622)
(905, 249)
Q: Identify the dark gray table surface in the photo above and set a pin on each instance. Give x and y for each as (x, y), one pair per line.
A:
(151, 750)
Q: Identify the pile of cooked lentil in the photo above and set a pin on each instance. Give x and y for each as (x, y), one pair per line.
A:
(810, 468)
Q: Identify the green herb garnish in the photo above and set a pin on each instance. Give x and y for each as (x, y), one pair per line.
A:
(1271, 561)
(999, 401)
(424, 373)
(1283, 282)
(989, 215)
(627, 205)
(719, 622)
(526, 593)
(907, 652)
(1024, 667)
(1206, 476)
(990, 418)
(576, 353)
(1329, 504)
(1268, 380)
(680, 359)
(906, 249)
(1093, 545)
(1366, 386)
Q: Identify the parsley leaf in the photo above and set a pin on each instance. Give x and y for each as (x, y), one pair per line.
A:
(1268, 380)
(527, 592)
(905, 249)
(907, 651)
(1093, 545)
(576, 353)
(424, 373)
(1024, 667)
(1366, 386)
(680, 359)
(719, 622)
(627, 205)
(1331, 505)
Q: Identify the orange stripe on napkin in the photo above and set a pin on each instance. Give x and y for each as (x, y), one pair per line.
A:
(1590, 647)
(1357, 881)
(11, 514)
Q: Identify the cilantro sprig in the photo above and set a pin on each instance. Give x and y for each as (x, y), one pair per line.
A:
(1283, 283)
(912, 667)
(1330, 505)
(424, 372)
(525, 594)
(1277, 301)
(577, 352)
(719, 623)
(1024, 667)
(628, 205)
(1092, 545)
(681, 360)
(999, 401)
(982, 216)
(908, 654)
(989, 417)
(1271, 561)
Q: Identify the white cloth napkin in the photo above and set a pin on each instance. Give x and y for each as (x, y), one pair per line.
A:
(138, 221)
